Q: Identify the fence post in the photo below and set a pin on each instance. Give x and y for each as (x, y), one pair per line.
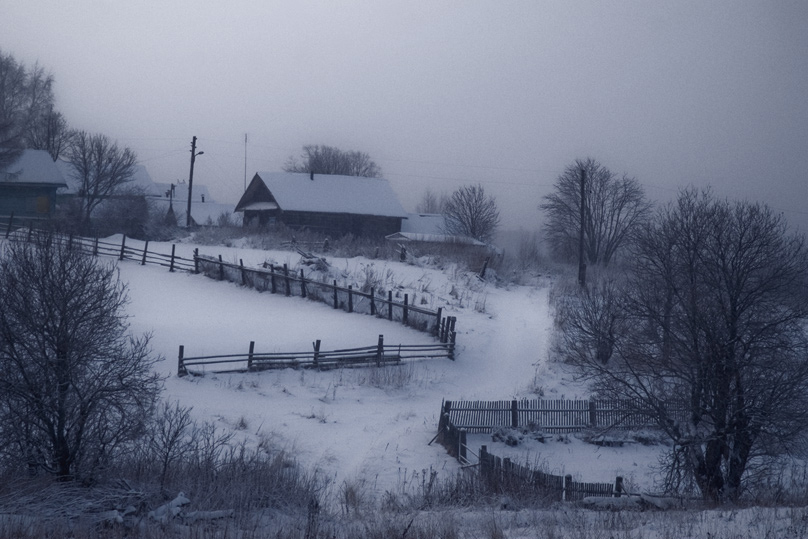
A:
(618, 487)
(196, 260)
(565, 487)
(452, 341)
(461, 446)
(243, 276)
(443, 420)
(514, 414)
(95, 247)
(372, 301)
(593, 414)
(171, 264)
(272, 278)
(380, 351)
(250, 356)
(316, 351)
(181, 370)
(406, 311)
(336, 301)
(286, 280)
(145, 250)
(302, 284)
(123, 246)
(436, 331)
(221, 269)
(350, 298)
(389, 304)
(485, 267)
(10, 221)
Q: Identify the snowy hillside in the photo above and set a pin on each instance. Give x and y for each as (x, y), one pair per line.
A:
(362, 426)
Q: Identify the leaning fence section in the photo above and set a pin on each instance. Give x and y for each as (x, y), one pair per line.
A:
(502, 475)
(378, 355)
(283, 280)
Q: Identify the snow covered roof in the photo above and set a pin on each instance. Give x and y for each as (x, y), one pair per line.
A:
(423, 223)
(33, 166)
(331, 194)
(257, 206)
(433, 238)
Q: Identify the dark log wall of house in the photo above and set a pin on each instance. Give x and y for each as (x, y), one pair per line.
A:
(333, 224)
(26, 201)
(339, 224)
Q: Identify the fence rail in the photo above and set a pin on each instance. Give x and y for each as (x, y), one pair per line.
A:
(379, 354)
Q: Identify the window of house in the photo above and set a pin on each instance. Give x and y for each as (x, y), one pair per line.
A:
(42, 205)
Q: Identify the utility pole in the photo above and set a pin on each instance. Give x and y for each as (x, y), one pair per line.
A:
(245, 161)
(581, 263)
(191, 181)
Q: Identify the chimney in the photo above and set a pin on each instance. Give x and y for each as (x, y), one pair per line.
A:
(311, 175)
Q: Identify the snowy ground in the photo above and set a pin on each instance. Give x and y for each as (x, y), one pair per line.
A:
(345, 424)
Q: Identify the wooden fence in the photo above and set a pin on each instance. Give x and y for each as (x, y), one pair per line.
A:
(552, 415)
(282, 280)
(121, 251)
(502, 475)
(378, 355)
(274, 279)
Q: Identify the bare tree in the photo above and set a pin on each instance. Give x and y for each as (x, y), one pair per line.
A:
(51, 133)
(431, 202)
(100, 167)
(323, 159)
(25, 96)
(591, 319)
(715, 346)
(75, 384)
(470, 212)
(613, 207)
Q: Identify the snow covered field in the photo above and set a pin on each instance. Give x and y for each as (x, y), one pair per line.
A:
(349, 425)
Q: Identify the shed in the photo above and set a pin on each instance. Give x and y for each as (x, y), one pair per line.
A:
(329, 204)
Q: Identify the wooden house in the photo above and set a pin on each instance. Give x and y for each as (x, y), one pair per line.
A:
(28, 186)
(329, 204)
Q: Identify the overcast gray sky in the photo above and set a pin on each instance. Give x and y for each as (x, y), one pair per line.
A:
(441, 94)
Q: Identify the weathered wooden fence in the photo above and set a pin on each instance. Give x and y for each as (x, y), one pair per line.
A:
(552, 415)
(121, 251)
(282, 280)
(273, 279)
(502, 475)
(378, 355)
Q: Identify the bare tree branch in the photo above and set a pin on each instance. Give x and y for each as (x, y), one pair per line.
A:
(469, 212)
(329, 160)
(75, 385)
(614, 207)
(100, 167)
